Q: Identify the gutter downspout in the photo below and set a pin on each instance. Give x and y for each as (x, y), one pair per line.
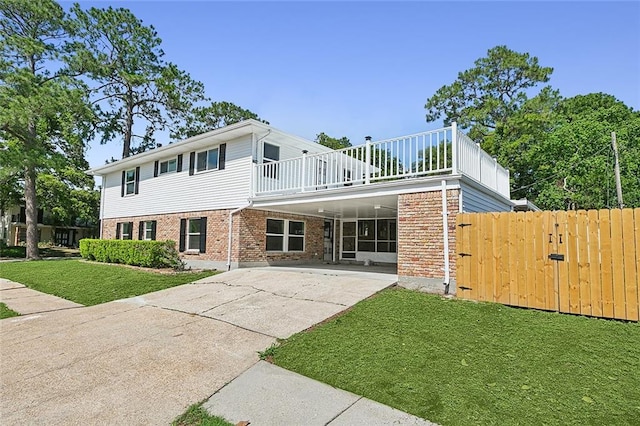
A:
(231, 213)
(445, 236)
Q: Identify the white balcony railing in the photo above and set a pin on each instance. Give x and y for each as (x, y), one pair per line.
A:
(442, 151)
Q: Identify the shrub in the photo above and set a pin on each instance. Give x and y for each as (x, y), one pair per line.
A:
(150, 254)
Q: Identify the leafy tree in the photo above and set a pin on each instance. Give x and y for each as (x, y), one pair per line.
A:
(484, 97)
(333, 143)
(135, 87)
(203, 119)
(45, 118)
(572, 163)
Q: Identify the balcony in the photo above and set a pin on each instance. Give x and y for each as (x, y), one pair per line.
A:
(445, 151)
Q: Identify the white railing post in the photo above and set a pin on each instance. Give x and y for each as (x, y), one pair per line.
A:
(367, 166)
(303, 177)
(454, 148)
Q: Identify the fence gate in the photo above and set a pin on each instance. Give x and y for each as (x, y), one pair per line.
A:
(584, 262)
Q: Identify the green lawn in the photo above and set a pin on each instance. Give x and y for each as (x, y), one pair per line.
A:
(5, 312)
(90, 283)
(198, 416)
(458, 363)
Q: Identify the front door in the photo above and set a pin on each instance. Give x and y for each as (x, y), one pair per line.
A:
(328, 240)
(348, 239)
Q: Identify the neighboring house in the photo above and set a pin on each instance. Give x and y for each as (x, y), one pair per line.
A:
(249, 194)
(13, 229)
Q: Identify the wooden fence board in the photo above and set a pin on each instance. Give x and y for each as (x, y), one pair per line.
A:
(474, 282)
(619, 304)
(461, 248)
(594, 263)
(521, 260)
(550, 266)
(488, 276)
(584, 298)
(513, 260)
(560, 237)
(606, 264)
(636, 218)
(505, 258)
(630, 256)
(573, 262)
(539, 259)
(530, 259)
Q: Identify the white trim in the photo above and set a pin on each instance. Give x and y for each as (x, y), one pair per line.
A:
(285, 236)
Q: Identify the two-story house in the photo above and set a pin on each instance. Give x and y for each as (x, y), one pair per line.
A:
(249, 194)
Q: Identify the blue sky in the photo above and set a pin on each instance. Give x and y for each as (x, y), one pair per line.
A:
(366, 68)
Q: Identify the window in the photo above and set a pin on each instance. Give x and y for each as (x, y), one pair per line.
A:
(285, 235)
(130, 182)
(168, 166)
(270, 154)
(193, 235)
(124, 230)
(373, 235)
(147, 230)
(207, 160)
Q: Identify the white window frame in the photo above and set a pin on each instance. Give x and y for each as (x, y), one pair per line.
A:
(147, 229)
(193, 234)
(207, 166)
(130, 182)
(286, 235)
(122, 233)
(168, 163)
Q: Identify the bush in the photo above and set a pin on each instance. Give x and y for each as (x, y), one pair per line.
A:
(150, 254)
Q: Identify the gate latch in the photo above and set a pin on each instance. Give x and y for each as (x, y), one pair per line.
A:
(556, 256)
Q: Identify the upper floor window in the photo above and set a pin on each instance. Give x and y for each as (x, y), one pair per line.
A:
(270, 153)
(211, 159)
(168, 166)
(207, 160)
(130, 182)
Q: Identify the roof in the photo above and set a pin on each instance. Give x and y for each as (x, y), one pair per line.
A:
(222, 134)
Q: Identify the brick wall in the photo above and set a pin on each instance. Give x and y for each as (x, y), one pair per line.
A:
(252, 242)
(420, 234)
(249, 234)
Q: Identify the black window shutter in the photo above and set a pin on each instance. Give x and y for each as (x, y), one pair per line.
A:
(137, 180)
(192, 162)
(122, 184)
(40, 215)
(203, 235)
(118, 231)
(179, 165)
(155, 169)
(141, 230)
(130, 237)
(222, 156)
(183, 234)
(23, 215)
(153, 230)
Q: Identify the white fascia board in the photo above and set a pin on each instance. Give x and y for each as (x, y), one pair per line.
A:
(433, 183)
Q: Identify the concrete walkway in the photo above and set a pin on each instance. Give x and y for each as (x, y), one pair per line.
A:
(26, 301)
(144, 360)
(268, 395)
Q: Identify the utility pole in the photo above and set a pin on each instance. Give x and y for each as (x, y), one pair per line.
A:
(616, 169)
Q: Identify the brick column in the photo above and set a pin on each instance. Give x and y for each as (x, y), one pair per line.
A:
(420, 240)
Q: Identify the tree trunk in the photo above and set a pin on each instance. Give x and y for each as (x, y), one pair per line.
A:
(31, 211)
(128, 131)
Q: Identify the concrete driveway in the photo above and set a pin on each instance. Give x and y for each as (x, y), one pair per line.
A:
(144, 360)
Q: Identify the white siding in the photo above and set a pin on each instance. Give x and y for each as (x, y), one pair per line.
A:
(476, 201)
(179, 192)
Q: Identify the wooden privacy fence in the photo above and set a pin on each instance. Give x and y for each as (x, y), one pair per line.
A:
(579, 262)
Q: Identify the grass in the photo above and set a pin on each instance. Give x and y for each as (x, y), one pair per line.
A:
(20, 252)
(196, 415)
(90, 283)
(5, 312)
(458, 363)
